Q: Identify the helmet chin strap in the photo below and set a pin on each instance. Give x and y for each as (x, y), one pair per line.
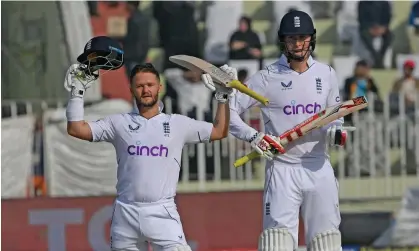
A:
(293, 57)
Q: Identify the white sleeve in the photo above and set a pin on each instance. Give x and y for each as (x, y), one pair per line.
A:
(194, 131)
(241, 103)
(102, 130)
(334, 97)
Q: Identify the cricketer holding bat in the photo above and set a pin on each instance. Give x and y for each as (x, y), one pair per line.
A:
(148, 146)
(297, 87)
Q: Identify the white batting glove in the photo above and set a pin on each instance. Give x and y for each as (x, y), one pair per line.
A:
(76, 81)
(222, 93)
(266, 145)
(337, 135)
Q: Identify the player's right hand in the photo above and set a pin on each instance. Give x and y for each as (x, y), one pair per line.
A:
(75, 82)
(266, 145)
(222, 93)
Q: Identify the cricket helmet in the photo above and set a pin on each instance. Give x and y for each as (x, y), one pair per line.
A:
(296, 23)
(102, 53)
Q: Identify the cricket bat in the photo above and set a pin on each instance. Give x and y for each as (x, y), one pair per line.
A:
(318, 120)
(202, 66)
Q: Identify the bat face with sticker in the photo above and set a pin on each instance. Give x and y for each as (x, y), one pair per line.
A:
(316, 121)
(197, 64)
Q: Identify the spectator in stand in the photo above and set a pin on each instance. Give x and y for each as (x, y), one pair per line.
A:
(136, 41)
(360, 84)
(245, 43)
(414, 28)
(408, 85)
(374, 19)
(192, 95)
(177, 29)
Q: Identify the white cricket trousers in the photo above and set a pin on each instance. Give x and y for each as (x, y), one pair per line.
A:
(311, 187)
(135, 224)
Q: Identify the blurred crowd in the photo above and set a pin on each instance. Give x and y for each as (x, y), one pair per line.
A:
(366, 25)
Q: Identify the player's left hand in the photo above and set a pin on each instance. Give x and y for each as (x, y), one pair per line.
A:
(75, 81)
(338, 134)
(222, 93)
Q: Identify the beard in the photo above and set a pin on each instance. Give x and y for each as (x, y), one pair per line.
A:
(151, 101)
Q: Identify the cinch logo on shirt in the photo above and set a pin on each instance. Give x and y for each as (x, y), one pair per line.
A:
(295, 108)
(154, 151)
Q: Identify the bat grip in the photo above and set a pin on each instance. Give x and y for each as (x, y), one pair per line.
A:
(246, 90)
(243, 160)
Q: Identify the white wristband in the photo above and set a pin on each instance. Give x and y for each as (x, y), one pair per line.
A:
(75, 109)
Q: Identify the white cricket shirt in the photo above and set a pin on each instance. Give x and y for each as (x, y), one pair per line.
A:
(293, 98)
(149, 151)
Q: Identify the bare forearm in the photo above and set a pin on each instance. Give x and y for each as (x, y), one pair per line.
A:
(221, 121)
(80, 130)
(237, 45)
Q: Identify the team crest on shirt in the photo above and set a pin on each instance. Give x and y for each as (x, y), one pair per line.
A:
(286, 86)
(166, 129)
(133, 128)
(319, 85)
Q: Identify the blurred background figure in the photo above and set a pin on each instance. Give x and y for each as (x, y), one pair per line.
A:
(242, 75)
(191, 94)
(178, 32)
(374, 27)
(245, 43)
(408, 84)
(360, 84)
(136, 42)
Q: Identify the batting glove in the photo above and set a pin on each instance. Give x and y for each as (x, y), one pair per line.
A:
(336, 135)
(266, 145)
(76, 82)
(222, 93)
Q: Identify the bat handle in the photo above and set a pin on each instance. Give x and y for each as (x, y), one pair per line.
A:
(243, 160)
(246, 90)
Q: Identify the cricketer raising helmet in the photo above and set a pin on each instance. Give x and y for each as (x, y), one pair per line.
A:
(102, 53)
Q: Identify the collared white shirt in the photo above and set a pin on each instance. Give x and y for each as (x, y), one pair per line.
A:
(149, 151)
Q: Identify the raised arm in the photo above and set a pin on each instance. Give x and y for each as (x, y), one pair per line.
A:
(265, 145)
(101, 130)
(221, 122)
(196, 131)
(201, 131)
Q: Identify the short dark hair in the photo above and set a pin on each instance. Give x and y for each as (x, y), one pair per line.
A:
(147, 67)
(362, 63)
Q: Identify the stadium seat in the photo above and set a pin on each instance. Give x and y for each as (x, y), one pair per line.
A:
(384, 79)
(270, 51)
